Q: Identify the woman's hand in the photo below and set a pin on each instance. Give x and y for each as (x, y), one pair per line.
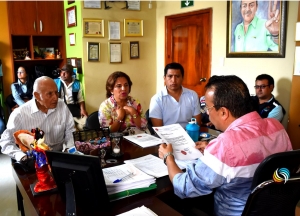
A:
(130, 110)
(120, 112)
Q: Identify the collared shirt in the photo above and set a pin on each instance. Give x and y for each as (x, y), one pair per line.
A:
(108, 114)
(257, 37)
(164, 106)
(230, 160)
(67, 92)
(15, 92)
(57, 124)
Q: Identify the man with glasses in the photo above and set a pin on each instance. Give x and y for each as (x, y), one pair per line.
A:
(230, 160)
(266, 105)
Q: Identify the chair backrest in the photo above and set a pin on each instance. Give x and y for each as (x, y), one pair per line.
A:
(149, 123)
(272, 198)
(92, 121)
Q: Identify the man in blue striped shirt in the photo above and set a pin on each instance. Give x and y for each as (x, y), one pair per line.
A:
(44, 111)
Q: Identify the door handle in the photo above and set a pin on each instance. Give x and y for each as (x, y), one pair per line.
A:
(203, 79)
(41, 26)
(34, 25)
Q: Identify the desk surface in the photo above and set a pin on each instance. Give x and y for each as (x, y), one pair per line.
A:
(53, 204)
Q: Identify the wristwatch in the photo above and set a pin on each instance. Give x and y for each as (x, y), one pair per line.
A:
(134, 116)
(166, 155)
(120, 121)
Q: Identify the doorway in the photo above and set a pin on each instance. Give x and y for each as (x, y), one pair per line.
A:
(188, 42)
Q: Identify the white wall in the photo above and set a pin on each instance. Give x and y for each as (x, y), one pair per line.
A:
(247, 68)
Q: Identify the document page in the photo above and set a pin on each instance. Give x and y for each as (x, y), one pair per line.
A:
(140, 211)
(183, 145)
(144, 140)
(150, 164)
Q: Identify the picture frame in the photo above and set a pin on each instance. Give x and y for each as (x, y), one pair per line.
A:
(93, 51)
(91, 4)
(71, 2)
(93, 27)
(115, 52)
(260, 42)
(71, 16)
(134, 5)
(114, 29)
(134, 50)
(72, 39)
(133, 27)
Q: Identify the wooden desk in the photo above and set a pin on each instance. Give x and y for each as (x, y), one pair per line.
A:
(53, 205)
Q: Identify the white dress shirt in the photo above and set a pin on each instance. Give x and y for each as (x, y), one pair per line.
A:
(57, 124)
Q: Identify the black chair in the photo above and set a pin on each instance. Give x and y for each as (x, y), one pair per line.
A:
(149, 123)
(271, 198)
(92, 121)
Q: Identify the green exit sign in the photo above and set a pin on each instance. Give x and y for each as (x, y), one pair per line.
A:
(187, 3)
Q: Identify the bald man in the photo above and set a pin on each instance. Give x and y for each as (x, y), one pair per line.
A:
(45, 111)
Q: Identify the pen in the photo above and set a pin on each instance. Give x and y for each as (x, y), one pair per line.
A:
(120, 179)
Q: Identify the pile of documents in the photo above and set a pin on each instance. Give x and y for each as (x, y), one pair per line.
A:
(125, 180)
(140, 211)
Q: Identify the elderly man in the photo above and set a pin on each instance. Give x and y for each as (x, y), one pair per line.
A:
(255, 34)
(230, 160)
(174, 104)
(44, 111)
(70, 90)
(267, 105)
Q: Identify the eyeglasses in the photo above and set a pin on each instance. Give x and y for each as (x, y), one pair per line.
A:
(206, 109)
(20, 72)
(260, 86)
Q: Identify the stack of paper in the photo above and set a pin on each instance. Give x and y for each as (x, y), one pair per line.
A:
(140, 211)
(144, 140)
(127, 177)
(183, 145)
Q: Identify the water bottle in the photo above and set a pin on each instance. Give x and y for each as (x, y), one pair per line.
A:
(193, 129)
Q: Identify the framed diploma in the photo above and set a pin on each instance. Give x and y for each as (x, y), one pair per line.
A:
(134, 50)
(115, 52)
(93, 51)
(71, 16)
(114, 28)
(72, 39)
(92, 4)
(133, 27)
(134, 5)
(93, 27)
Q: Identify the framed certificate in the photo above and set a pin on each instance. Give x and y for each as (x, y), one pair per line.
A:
(134, 5)
(93, 27)
(71, 16)
(115, 52)
(72, 39)
(114, 28)
(93, 51)
(92, 4)
(134, 50)
(133, 27)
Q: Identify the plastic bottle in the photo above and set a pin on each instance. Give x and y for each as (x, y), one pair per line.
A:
(193, 129)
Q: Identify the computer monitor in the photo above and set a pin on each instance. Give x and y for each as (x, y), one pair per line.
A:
(80, 181)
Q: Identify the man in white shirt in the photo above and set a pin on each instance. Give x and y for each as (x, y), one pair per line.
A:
(70, 90)
(46, 112)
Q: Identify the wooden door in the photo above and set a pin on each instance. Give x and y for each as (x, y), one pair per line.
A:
(188, 42)
(293, 128)
(50, 17)
(22, 17)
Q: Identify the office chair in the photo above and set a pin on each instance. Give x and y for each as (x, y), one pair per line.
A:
(149, 123)
(92, 121)
(271, 198)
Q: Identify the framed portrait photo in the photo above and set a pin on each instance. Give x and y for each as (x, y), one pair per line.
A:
(93, 51)
(115, 52)
(133, 27)
(93, 27)
(256, 29)
(71, 16)
(134, 50)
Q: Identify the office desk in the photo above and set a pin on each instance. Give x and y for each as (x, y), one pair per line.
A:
(53, 204)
